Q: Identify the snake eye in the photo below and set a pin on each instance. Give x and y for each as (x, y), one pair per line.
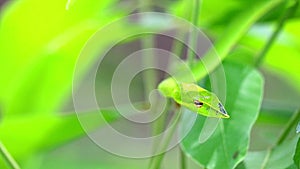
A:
(198, 104)
(222, 110)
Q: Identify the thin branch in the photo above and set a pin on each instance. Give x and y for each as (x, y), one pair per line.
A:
(286, 15)
(182, 159)
(193, 35)
(293, 121)
(8, 158)
(156, 160)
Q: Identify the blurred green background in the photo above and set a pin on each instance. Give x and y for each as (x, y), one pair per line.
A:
(41, 40)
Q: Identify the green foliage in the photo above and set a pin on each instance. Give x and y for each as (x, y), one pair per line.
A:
(52, 130)
(41, 71)
(282, 57)
(238, 26)
(40, 42)
(276, 158)
(229, 144)
(56, 39)
(297, 154)
(40, 48)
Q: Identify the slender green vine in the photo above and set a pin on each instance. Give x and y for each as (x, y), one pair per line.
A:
(156, 160)
(193, 35)
(177, 46)
(289, 127)
(8, 158)
(289, 12)
(149, 84)
(147, 42)
(193, 38)
(235, 30)
(182, 159)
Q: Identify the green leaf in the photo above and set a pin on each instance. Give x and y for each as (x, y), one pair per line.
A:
(287, 45)
(297, 154)
(41, 42)
(211, 18)
(6, 160)
(235, 30)
(293, 166)
(41, 48)
(233, 33)
(229, 144)
(27, 134)
(277, 158)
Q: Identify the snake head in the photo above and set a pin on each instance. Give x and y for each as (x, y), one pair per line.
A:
(199, 100)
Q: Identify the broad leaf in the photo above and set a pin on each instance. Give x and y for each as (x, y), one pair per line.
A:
(277, 158)
(229, 144)
(27, 134)
(40, 48)
(237, 28)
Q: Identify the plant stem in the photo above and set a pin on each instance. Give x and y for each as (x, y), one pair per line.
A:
(149, 79)
(177, 49)
(147, 42)
(289, 12)
(229, 38)
(156, 160)
(8, 158)
(234, 32)
(196, 12)
(265, 161)
(293, 121)
(158, 127)
(149, 75)
(177, 46)
(193, 35)
(182, 159)
(150, 82)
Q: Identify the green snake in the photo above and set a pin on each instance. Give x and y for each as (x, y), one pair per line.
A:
(194, 98)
